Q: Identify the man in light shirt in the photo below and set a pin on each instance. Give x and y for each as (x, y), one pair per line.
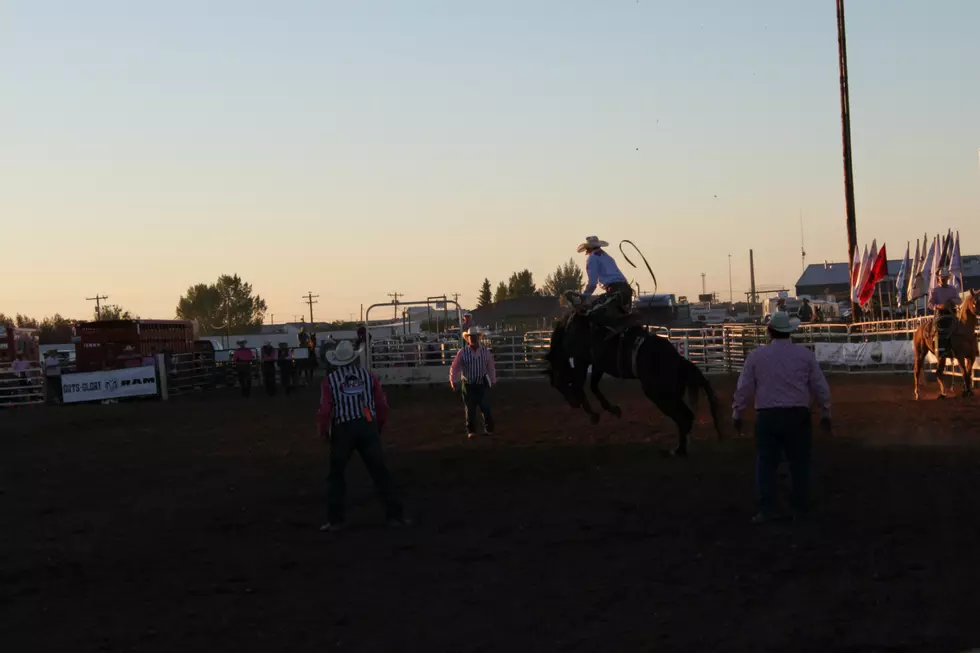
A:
(784, 378)
(942, 300)
(615, 305)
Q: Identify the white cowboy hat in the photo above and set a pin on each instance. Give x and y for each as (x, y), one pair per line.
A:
(343, 355)
(472, 331)
(943, 273)
(783, 323)
(592, 242)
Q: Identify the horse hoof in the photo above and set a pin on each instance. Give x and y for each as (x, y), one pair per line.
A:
(676, 453)
(941, 397)
(594, 419)
(617, 411)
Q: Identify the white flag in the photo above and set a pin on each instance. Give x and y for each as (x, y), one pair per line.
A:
(914, 284)
(934, 263)
(856, 274)
(927, 270)
(956, 265)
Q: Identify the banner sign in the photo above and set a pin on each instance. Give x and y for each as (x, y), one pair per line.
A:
(109, 384)
(868, 354)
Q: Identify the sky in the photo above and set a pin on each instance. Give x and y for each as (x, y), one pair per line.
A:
(356, 149)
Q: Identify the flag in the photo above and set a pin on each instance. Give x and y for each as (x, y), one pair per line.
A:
(903, 273)
(926, 272)
(929, 276)
(879, 269)
(856, 274)
(912, 293)
(956, 265)
(865, 271)
(947, 249)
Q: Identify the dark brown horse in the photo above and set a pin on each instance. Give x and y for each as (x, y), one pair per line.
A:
(666, 377)
(963, 340)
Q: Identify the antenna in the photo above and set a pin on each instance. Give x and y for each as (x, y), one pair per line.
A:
(802, 249)
(98, 304)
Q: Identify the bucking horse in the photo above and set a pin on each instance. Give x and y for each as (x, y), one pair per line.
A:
(667, 378)
(961, 346)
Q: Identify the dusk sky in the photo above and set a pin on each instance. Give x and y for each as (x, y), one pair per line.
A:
(360, 148)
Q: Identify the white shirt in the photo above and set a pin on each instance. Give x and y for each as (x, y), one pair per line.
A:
(52, 367)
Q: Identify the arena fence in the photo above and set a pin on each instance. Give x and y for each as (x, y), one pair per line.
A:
(23, 388)
(884, 346)
(190, 372)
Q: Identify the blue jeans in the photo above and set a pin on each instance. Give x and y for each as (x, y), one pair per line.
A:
(781, 431)
(475, 399)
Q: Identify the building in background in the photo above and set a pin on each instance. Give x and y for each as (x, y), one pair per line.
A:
(822, 279)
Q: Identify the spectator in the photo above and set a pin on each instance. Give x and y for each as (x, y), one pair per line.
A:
(285, 363)
(783, 377)
(242, 358)
(52, 375)
(269, 358)
(806, 311)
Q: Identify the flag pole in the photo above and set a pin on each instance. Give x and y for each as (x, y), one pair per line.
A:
(845, 118)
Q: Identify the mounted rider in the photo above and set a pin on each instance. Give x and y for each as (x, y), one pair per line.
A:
(942, 300)
(612, 309)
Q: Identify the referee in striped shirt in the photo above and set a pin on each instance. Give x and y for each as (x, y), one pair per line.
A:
(474, 364)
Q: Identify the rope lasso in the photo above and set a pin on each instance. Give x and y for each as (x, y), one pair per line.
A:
(627, 259)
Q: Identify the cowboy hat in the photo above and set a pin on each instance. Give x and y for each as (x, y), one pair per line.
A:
(472, 331)
(592, 242)
(241, 343)
(781, 322)
(343, 355)
(943, 273)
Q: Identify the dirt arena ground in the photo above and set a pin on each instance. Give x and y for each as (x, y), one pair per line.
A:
(191, 526)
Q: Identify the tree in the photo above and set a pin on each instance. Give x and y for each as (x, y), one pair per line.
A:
(114, 312)
(521, 284)
(24, 322)
(567, 277)
(486, 295)
(56, 330)
(502, 293)
(226, 306)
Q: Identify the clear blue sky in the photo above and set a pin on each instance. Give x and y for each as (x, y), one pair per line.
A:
(359, 148)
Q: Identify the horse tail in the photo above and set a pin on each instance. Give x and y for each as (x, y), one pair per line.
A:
(697, 381)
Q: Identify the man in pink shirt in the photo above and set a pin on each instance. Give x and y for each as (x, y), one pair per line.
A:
(784, 378)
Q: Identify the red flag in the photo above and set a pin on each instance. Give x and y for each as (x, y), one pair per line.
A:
(879, 269)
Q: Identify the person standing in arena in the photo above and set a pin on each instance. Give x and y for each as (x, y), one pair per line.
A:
(269, 359)
(242, 358)
(353, 413)
(784, 378)
(474, 365)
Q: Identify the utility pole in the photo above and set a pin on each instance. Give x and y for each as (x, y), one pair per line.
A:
(456, 298)
(802, 247)
(731, 297)
(754, 296)
(310, 299)
(98, 304)
(703, 287)
(394, 300)
(845, 119)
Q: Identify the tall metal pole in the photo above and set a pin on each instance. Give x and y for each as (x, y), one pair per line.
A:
(755, 298)
(845, 119)
(731, 298)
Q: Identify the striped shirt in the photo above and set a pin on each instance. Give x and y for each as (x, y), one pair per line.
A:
(350, 393)
(475, 366)
(781, 375)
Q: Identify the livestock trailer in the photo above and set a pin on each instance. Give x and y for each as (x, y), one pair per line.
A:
(100, 343)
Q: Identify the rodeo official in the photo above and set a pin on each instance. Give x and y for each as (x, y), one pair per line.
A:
(474, 364)
(353, 413)
(784, 378)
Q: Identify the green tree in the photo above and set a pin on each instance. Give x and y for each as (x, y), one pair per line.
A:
(56, 330)
(114, 312)
(567, 277)
(502, 293)
(521, 284)
(226, 306)
(485, 296)
(24, 322)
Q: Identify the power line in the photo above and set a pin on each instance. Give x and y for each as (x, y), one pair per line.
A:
(310, 299)
(98, 304)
